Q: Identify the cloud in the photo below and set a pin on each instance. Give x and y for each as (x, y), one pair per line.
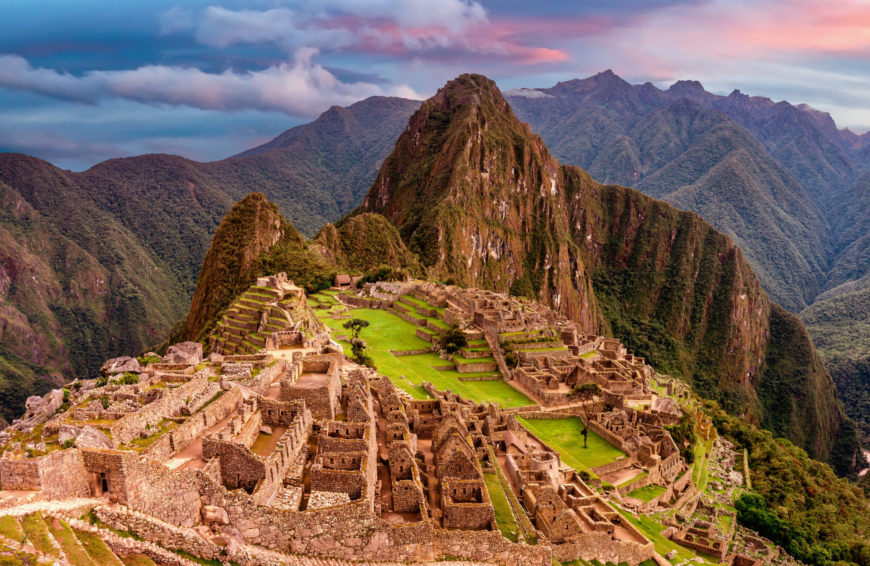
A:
(394, 28)
(526, 93)
(297, 88)
(176, 19)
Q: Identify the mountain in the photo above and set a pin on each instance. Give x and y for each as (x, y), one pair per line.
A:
(364, 242)
(103, 262)
(840, 327)
(482, 201)
(851, 226)
(683, 145)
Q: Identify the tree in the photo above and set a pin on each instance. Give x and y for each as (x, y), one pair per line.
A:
(453, 340)
(360, 356)
(355, 325)
(586, 393)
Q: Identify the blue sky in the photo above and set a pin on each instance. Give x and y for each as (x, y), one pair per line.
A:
(89, 80)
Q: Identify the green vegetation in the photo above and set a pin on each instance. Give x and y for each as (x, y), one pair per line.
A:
(127, 379)
(10, 528)
(99, 552)
(37, 533)
(648, 493)
(564, 434)
(389, 332)
(66, 538)
(840, 327)
(507, 523)
(798, 502)
(369, 243)
(453, 340)
(652, 530)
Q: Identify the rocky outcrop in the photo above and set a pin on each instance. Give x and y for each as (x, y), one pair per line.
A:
(39, 410)
(120, 365)
(93, 438)
(189, 353)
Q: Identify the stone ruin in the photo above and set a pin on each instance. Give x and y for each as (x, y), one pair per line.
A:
(250, 451)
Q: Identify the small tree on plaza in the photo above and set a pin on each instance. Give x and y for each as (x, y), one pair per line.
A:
(355, 325)
(360, 356)
(585, 393)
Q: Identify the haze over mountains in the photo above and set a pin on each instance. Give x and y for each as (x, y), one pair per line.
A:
(781, 180)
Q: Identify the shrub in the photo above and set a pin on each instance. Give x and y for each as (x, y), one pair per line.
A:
(145, 360)
(127, 379)
(68, 443)
(512, 359)
(104, 401)
(65, 395)
(453, 340)
(385, 273)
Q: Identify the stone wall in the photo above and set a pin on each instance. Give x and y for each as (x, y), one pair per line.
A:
(321, 401)
(181, 437)
(410, 352)
(476, 367)
(169, 405)
(116, 467)
(202, 398)
(62, 475)
(536, 390)
(153, 529)
(280, 413)
(612, 467)
(490, 547)
(20, 474)
(602, 547)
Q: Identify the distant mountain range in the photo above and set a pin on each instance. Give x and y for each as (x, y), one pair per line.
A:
(103, 262)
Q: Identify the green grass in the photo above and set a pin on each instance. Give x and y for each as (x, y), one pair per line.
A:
(98, 550)
(387, 331)
(651, 530)
(588, 355)
(648, 493)
(634, 479)
(507, 523)
(543, 350)
(724, 522)
(460, 360)
(10, 528)
(64, 535)
(424, 304)
(37, 533)
(565, 436)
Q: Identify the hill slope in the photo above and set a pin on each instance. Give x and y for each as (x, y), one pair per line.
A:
(480, 198)
(102, 263)
(673, 145)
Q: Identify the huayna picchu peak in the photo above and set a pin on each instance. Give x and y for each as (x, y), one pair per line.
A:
(493, 359)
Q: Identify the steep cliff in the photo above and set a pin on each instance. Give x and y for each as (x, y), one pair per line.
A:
(479, 197)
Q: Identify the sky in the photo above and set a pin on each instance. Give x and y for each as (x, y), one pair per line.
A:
(85, 81)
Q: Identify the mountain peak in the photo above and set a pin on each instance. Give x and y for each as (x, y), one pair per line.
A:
(687, 87)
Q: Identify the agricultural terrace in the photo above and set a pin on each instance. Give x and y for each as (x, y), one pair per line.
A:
(389, 332)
